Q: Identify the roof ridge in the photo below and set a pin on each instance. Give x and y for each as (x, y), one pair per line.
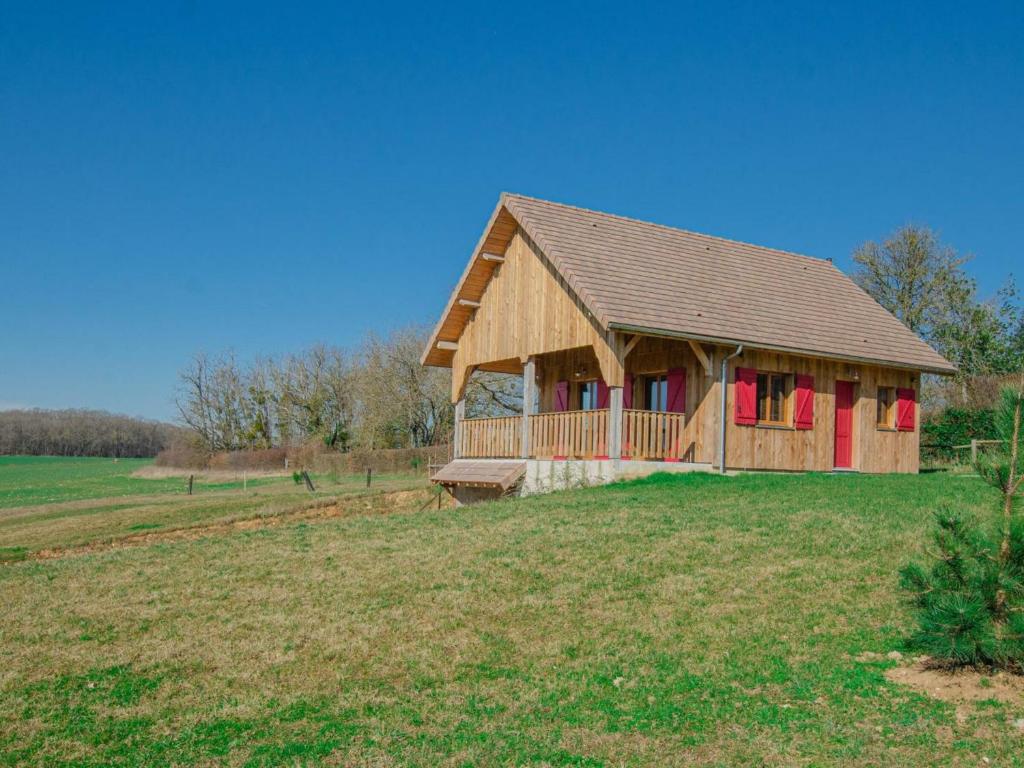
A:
(633, 220)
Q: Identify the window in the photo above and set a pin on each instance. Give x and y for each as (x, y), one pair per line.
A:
(773, 398)
(886, 408)
(656, 393)
(588, 395)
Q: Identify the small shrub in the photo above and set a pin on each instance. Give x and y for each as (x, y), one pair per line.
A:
(969, 602)
(957, 598)
(955, 426)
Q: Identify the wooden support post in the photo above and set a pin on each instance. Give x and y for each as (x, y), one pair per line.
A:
(460, 414)
(529, 382)
(369, 476)
(974, 452)
(615, 423)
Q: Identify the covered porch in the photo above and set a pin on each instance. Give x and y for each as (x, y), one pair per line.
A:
(570, 413)
(646, 435)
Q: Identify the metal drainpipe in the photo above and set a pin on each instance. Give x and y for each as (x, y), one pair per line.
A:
(725, 372)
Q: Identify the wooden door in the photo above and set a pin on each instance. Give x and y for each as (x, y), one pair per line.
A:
(844, 425)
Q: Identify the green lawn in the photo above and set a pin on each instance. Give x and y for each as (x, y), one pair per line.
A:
(31, 480)
(686, 620)
(52, 502)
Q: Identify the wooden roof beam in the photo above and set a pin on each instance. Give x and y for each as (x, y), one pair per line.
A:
(496, 258)
(705, 361)
(630, 345)
(451, 346)
(469, 303)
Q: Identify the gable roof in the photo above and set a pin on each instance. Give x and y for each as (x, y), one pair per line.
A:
(648, 278)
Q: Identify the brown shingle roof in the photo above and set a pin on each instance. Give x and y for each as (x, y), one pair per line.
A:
(648, 277)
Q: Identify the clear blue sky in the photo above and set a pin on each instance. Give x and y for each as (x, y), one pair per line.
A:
(204, 176)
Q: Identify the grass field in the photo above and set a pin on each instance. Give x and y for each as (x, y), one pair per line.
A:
(684, 620)
(53, 503)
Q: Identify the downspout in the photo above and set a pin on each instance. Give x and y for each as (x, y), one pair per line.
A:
(721, 436)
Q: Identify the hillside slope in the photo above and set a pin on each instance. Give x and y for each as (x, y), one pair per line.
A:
(677, 620)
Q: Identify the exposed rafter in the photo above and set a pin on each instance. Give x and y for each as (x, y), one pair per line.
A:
(705, 361)
(630, 345)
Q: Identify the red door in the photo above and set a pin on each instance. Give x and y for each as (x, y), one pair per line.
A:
(844, 425)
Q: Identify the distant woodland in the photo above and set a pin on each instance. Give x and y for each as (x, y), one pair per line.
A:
(81, 433)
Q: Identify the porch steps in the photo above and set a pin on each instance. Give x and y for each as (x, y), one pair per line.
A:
(480, 474)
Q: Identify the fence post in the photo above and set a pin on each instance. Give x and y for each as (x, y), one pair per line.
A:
(190, 479)
(369, 476)
(974, 451)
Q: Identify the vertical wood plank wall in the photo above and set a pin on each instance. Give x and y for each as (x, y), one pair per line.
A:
(750, 447)
(525, 310)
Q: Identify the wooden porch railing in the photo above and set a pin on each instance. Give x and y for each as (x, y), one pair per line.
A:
(574, 435)
(497, 438)
(569, 434)
(652, 435)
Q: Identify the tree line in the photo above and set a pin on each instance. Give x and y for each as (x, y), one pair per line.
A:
(925, 284)
(376, 395)
(81, 433)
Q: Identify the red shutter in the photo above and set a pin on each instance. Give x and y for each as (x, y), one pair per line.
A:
(627, 391)
(676, 391)
(905, 400)
(562, 396)
(602, 394)
(803, 416)
(745, 396)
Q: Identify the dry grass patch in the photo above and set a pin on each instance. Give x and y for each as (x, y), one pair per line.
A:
(688, 620)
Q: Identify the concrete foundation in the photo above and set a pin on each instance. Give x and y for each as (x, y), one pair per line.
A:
(545, 475)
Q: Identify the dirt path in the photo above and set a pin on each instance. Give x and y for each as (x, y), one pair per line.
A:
(381, 503)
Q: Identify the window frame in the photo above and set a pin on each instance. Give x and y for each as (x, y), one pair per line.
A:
(892, 405)
(662, 378)
(764, 399)
(585, 385)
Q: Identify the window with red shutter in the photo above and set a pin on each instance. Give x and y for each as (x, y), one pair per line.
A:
(676, 395)
(803, 413)
(745, 396)
(906, 400)
(562, 396)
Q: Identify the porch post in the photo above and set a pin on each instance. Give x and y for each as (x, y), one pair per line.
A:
(460, 414)
(529, 384)
(615, 423)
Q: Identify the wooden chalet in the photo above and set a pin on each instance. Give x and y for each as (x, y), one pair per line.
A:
(646, 346)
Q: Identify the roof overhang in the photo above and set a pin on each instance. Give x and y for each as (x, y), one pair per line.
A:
(669, 334)
(483, 262)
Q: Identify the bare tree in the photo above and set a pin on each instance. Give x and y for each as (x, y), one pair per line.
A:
(912, 275)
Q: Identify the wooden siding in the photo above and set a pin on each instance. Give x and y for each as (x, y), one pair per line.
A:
(655, 356)
(760, 447)
(526, 309)
(874, 449)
